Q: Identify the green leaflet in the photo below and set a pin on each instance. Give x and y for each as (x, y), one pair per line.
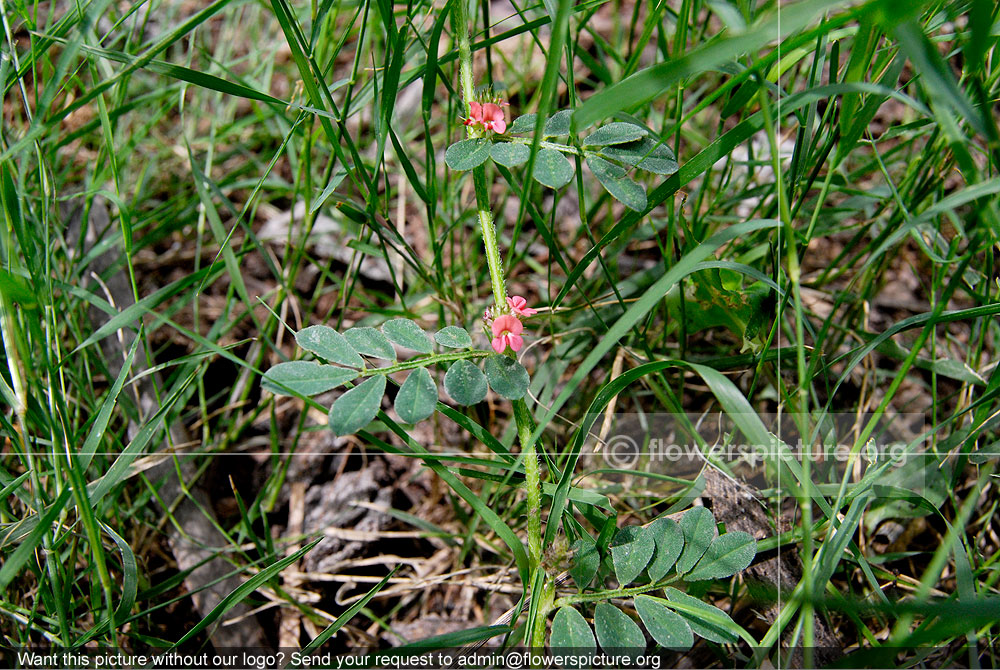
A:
(355, 409)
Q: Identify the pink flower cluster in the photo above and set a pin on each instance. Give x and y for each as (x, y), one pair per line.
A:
(507, 328)
(487, 115)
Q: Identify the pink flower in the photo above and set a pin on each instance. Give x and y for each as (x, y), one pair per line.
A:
(489, 116)
(475, 114)
(518, 306)
(507, 333)
(493, 118)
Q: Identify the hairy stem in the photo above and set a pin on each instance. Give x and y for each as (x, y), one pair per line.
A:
(425, 361)
(522, 416)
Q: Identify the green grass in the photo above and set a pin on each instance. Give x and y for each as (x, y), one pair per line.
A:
(851, 164)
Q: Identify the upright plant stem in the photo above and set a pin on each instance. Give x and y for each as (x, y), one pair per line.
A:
(490, 237)
(462, 26)
(522, 416)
